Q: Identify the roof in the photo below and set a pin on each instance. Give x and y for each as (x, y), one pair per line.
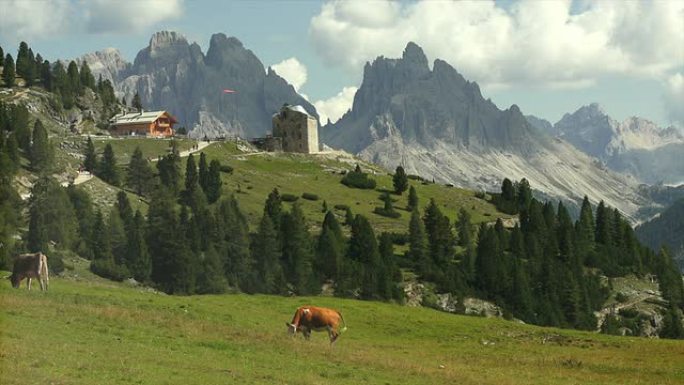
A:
(296, 108)
(138, 117)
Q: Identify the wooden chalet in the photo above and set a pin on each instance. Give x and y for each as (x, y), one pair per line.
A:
(144, 123)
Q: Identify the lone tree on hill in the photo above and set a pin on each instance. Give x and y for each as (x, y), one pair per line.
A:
(400, 180)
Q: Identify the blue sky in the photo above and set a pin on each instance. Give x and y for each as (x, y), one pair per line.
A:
(549, 57)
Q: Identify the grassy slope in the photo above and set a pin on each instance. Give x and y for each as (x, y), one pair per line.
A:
(295, 174)
(92, 331)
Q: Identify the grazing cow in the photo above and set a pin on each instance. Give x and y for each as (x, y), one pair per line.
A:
(308, 318)
(30, 266)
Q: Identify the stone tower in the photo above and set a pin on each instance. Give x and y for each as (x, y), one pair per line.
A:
(297, 129)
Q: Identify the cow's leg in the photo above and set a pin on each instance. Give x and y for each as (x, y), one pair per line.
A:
(332, 334)
(42, 284)
(307, 334)
(28, 283)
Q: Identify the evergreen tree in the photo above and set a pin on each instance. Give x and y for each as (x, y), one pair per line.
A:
(464, 230)
(297, 251)
(18, 122)
(86, 76)
(524, 194)
(117, 236)
(273, 207)
(90, 162)
(100, 240)
(31, 70)
(108, 171)
(214, 182)
(2, 57)
(46, 75)
(8, 71)
(139, 177)
(418, 251)
(440, 240)
(584, 232)
(74, 79)
(489, 267)
(203, 172)
(136, 103)
(211, 278)
(330, 248)
(392, 275)
(124, 209)
(412, 199)
(672, 324)
(52, 216)
(234, 237)
(169, 168)
(83, 208)
(191, 179)
(22, 59)
(400, 180)
(267, 255)
(173, 269)
(363, 248)
(41, 151)
(138, 259)
(348, 217)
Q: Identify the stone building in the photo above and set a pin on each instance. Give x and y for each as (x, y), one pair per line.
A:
(297, 130)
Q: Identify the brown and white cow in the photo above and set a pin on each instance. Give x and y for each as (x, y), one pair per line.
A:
(30, 266)
(308, 318)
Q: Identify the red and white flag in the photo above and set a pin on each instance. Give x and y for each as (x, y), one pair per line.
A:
(229, 91)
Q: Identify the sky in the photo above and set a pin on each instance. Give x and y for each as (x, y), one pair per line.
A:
(548, 57)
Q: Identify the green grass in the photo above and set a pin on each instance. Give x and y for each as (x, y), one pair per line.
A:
(151, 148)
(87, 331)
(255, 176)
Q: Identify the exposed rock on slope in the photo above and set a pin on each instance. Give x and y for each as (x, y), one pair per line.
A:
(172, 74)
(437, 124)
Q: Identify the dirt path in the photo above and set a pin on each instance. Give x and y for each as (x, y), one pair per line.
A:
(616, 307)
(200, 146)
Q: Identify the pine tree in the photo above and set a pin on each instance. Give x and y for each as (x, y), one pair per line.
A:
(363, 248)
(2, 57)
(139, 177)
(412, 199)
(214, 182)
(22, 59)
(418, 248)
(41, 151)
(191, 179)
(464, 230)
(267, 257)
(524, 194)
(31, 70)
(234, 235)
(400, 180)
(348, 217)
(203, 172)
(18, 122)
(74, 79)
(124, 209)
(330, 248)
(297, 251)
(117, 236)
(8, 74)
(392, 275)
(100, 241)
(46, 75)
(108, 170)
(584, 232)
(440, 240)
(169, 169)
(90, 162)
(210, 279)
(86, 76)
(136, 103)
(83, 208)
(138, 259)
(672, 324)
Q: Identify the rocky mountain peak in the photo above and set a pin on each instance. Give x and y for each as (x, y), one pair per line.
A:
(108, 63)
(164, 39)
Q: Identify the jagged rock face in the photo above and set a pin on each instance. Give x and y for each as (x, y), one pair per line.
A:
(174, 75)
(426, 106)
(108, 63)
(635, 146)
(436, 124)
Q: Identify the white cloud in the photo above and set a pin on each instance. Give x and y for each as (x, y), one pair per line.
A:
(548, 43)
(128, 16)
(336, 106)
(293, 71)
(674, 98)
(34, 19)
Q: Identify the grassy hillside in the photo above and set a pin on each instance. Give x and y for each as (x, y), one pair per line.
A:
(86, 331)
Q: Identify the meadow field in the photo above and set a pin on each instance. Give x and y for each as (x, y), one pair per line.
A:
(86, 330)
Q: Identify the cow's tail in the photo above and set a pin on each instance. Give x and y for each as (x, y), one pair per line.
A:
(344, 328)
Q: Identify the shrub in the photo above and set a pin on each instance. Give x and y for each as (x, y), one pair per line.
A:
(226, 169)
(108, 269)
(358, 179)
(288, 197)
(621, 297)
(399, 238)
(414, 177)
(310, 196)
(386, 213)
(341, 207)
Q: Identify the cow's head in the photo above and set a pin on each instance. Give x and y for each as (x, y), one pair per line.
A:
(291, 328)
(16, 280)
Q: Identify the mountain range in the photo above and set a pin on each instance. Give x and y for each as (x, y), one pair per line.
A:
(635, 146)
(431, 120)
(437, 124)
(175, 75)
